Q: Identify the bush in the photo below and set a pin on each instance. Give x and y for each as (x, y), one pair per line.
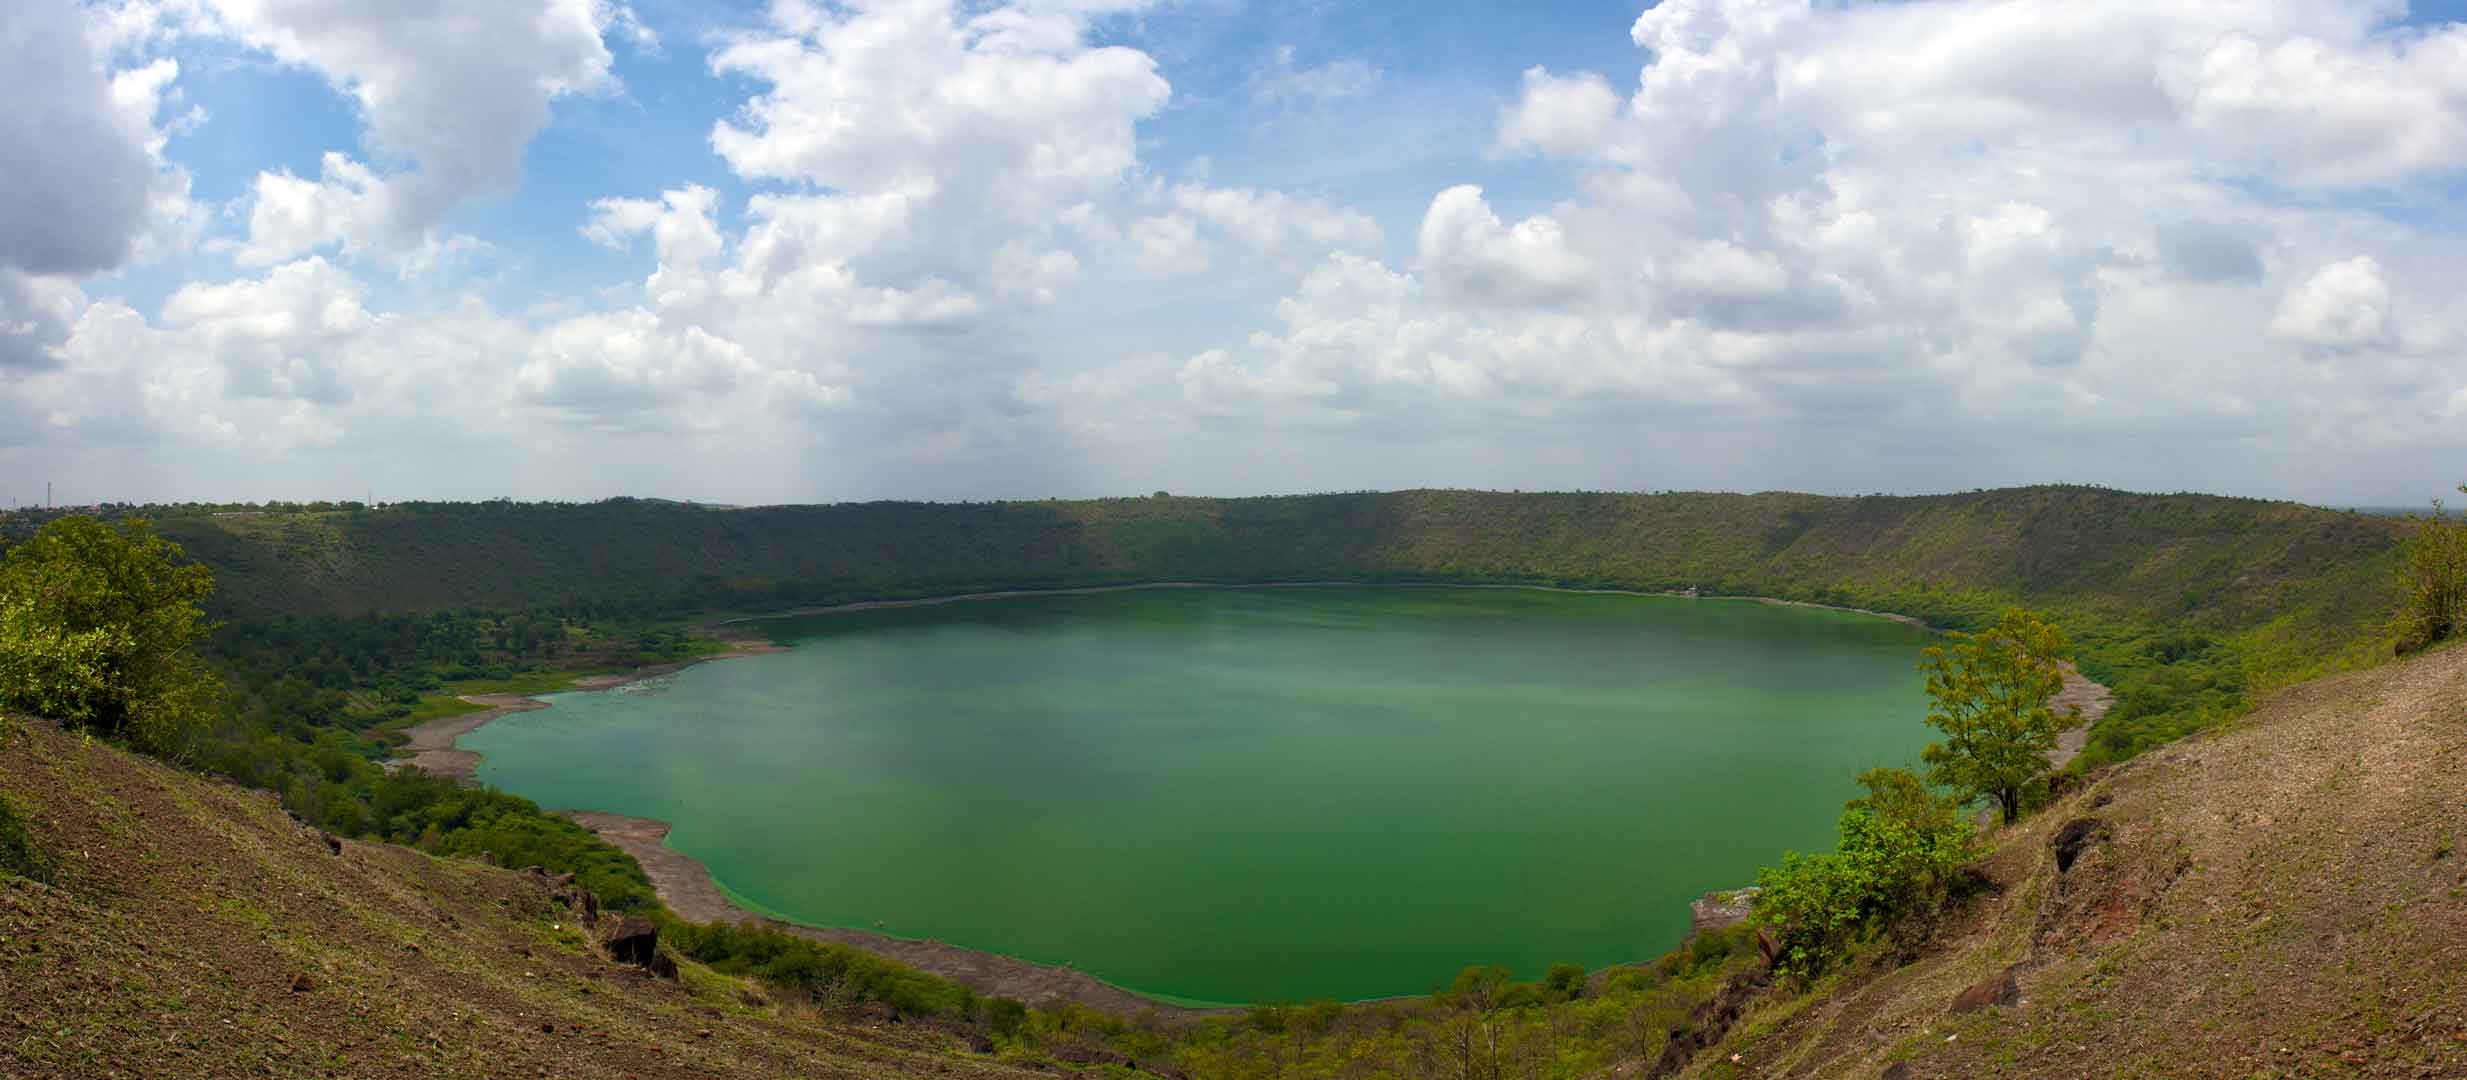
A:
(1900, 850)
(827, 973)
(2433, 581)
(18, 855)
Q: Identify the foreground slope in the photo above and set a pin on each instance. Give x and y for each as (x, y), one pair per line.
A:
(192, 929)
(2285, 898)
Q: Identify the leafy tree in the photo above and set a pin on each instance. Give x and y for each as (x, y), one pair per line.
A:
(96, 627)
(2433, 581)
(1991, 693)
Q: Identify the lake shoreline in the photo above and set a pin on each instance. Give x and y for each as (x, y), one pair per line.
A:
(1146, 586)
(687, 887)
(432, 746)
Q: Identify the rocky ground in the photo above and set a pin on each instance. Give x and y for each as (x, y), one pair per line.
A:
(2286, 898)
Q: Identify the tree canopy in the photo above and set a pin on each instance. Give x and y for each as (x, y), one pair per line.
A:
(97, 624)
(1991, 693)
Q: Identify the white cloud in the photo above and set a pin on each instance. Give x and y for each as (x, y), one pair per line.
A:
(454, 89)
(1976, 217)
(1562, 116)
(84, 188)
(1467, 251)
(2344, 305)
(1288, 231)
(1167, 244)
(1798, 244)
(2346, 109)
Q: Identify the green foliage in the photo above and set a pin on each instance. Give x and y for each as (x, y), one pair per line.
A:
(2432, 581)
(96, 627)
(1564, 982)
(829, 974)
(1005, 1016)
(18, 855)
(1900, 850)
(1990, 692)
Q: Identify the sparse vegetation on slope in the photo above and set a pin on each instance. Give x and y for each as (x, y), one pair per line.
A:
(2433, 581)
(192, 930)
(2279, 899)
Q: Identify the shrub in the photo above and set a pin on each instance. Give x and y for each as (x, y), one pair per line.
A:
(827, 973)
(18, 855)
(2433, 581)
(1005, 1016)
(1900, 850)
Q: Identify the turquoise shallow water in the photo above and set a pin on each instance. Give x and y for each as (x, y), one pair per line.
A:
(1256, 794)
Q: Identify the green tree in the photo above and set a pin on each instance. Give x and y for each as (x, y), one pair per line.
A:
(97, 624)
(1991, 693)
(2433, 581)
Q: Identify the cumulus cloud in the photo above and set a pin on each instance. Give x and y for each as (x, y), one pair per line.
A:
(2344, 305)
(84, 187)
(454, 90)
(1469, 252)
(77, 180)
(1796, 244)
(1982, 217)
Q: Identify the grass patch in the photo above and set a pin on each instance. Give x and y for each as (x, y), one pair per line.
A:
(18, 854)
(526, 682)
(432, 707)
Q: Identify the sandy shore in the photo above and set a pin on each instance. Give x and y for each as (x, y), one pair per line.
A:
(2092, 699)
(686, 887)
(431, 748)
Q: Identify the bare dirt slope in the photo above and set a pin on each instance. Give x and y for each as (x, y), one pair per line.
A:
(192, 929)
(2287, 898)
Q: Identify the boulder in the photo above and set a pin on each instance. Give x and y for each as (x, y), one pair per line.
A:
(1997, 989)
(632, 940)
(2070, 840)
(1721, 909)
(1768, 945)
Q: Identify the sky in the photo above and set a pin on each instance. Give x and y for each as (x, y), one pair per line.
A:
(800, 251)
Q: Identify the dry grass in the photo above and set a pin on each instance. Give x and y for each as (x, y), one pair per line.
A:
(183, 913)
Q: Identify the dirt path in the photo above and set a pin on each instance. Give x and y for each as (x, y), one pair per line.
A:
(686, 887)
(2079, 693)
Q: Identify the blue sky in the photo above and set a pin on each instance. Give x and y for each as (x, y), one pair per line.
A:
(803, 250)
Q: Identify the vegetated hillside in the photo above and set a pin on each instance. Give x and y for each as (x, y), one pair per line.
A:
(2183, 603)
(2284, 898)
(190, 929)
(2233, 560)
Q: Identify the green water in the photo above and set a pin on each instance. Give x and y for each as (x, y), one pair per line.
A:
(1251, 795)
